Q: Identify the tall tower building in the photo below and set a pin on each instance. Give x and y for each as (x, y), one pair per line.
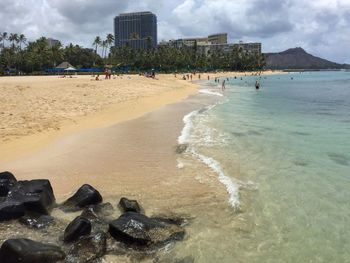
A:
(136, 30)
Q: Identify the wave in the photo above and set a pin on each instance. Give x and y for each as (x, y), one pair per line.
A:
(209, 92)
(186, 131)
(231, 187)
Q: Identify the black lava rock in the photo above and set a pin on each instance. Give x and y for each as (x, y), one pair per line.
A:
(7, 180)
(28, 251)
(101, 210)
(79, 227)
(37, 221)
(88, 249)
(85, 196)
(36, 195)
(127, 205)
(11, 210)
(139, 230)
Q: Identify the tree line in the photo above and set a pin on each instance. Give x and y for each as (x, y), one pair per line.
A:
(19, 55)
(171, 59)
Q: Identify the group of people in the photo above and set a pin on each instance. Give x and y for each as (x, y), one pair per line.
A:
(108, 73)
(190, 76)
(151, 74)
(217, 79)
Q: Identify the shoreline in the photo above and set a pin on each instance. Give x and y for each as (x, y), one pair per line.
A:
(137, 159)
(32, 131)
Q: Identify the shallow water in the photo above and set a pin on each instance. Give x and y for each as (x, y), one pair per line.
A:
(286, 150)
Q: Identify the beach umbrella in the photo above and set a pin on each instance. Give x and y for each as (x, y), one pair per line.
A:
(70, 69)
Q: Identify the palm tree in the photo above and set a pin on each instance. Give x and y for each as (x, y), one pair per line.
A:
(22, 40)
(109, 40)
(4, 38)
(104, 47)
(13, 38)
(97, 43)
(56, 53)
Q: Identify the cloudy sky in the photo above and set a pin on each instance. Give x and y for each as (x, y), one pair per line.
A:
(322, 27)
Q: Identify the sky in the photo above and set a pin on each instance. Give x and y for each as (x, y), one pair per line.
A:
(321, 27)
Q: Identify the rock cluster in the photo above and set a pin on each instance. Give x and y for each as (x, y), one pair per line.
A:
(89, 236)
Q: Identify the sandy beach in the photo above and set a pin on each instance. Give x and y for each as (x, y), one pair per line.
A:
(121, 138)
(36, 110)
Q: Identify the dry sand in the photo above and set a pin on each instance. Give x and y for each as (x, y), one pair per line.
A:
(36, 110)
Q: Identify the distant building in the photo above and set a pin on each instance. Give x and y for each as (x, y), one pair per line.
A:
(136, 30)
(218, 39)
(52, 42)
(213, 43)
(199, 41)
(249, 47)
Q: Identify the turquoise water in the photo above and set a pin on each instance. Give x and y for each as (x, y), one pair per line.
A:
(289, 154)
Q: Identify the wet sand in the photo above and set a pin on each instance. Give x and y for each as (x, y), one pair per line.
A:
(135, 158)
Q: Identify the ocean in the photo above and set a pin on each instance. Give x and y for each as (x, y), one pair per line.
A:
(283, 155)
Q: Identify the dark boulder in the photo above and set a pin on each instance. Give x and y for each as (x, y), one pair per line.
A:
(7, 180)
(37, 221)
(85, 196)
(28, 251)
(98, 216)
(11, 210)
(139, 230)
(127, 205)
(88, 249)
(79, 227)
(101, 210)
(36, 195)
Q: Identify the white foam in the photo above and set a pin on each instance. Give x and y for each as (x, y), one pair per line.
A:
(180, 165)
(209, 92)
(186, 131)
(231, 187)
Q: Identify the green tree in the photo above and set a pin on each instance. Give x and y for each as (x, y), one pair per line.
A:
(97, 43)
(4, 37)
(21, 40)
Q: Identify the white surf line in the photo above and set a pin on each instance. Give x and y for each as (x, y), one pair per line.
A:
(186, 131)
(209, 92)
(231, 187)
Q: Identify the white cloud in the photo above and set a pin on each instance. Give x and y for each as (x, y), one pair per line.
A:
(322, 27)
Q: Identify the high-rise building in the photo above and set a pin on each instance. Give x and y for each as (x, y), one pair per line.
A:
(136, 30)
(52, 42)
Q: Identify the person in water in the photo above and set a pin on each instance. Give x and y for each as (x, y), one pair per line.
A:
(257, 85)
(223, 87)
